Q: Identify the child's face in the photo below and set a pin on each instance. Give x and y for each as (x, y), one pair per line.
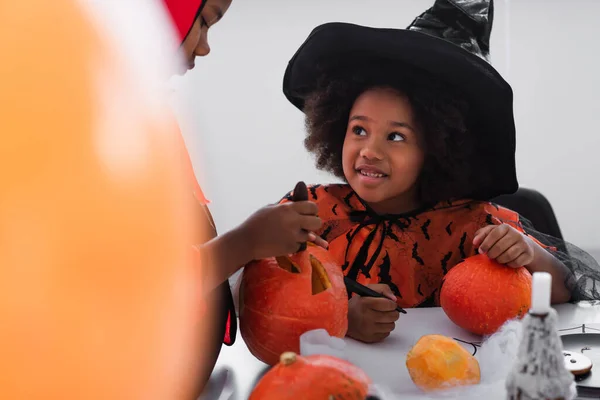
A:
(196, 42)
(382, 157)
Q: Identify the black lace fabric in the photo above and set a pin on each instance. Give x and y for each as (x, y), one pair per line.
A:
(583, 277)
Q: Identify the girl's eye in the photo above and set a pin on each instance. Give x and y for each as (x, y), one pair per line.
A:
(359, 131)
(396, 137)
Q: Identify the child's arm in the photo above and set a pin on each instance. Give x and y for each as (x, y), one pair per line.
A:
(271, 231)
(545, 261)
(513, 248)
(222, 256)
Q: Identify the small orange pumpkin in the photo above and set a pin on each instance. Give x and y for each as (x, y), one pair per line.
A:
(282, 298)
(438, 362)
(314, 377)
(480, 295)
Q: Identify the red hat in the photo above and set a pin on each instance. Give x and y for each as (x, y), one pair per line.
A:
(184, 13)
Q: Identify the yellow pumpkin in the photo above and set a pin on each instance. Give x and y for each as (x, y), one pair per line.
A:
(438, 362)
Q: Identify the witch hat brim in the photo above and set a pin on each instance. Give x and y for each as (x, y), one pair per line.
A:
(489, 95)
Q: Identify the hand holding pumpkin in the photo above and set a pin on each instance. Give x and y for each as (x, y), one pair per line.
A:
(372, 319)
(279, 230)
(506, 245)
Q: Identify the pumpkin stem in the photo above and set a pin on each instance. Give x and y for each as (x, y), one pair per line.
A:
(287, 358)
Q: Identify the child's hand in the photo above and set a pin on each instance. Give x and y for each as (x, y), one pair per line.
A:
(372, 319)
(505, 244)
(279, 230)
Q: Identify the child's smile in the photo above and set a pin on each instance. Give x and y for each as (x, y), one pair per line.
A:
(371, 175)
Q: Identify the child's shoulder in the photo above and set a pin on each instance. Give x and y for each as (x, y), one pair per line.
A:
(495, 210)
(488, 211)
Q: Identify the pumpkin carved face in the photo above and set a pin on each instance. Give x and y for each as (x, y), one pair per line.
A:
(283, 297)
(480, 295)
(312, 377)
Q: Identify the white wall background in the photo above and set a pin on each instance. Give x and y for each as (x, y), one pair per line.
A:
(246, 139)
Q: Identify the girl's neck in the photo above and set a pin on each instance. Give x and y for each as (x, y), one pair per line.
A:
(401, 204)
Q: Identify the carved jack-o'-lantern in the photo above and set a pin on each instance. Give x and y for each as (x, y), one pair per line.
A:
(283, 297)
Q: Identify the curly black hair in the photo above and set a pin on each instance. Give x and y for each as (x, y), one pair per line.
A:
(441, 113)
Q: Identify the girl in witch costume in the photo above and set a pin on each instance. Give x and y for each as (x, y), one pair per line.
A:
(420, 127)
(271, 231)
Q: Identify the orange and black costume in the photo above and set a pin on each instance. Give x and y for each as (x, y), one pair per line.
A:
(412, 252)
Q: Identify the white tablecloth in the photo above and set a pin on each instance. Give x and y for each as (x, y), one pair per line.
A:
(237, 371)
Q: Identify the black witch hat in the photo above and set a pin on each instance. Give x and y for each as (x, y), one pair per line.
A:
(450, 41)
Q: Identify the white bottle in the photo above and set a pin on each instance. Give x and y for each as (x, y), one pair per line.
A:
(539, 372)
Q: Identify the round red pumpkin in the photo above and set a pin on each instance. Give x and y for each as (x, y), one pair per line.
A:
(282, 298)
(312, 377)
(480, 294)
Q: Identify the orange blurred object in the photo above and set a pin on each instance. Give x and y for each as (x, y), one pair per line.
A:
(98, 295)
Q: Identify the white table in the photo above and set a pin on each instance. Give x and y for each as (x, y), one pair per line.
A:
(237, 371)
